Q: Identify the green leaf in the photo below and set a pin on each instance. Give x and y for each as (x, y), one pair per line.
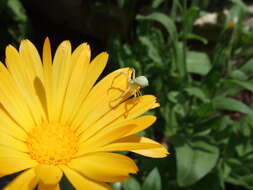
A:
(18, 10)
(248, 67)
(241, 173)
(152, 50)
(211, 80)
(17, 25)
(216, 124)
(188, 18)
(156, 3)
(162, 19)
(153, 181)
(212, 181)
(131, 184)
(197, 92)
(238, 75)
(196, 37)
(244, 84)
(226, 103)
(241, 5)
(205, 110)
(173, 96)
(179, 58)
(198, 63)
(194, 160)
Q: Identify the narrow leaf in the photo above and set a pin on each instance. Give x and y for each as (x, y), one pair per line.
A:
(162, 19)
(153, 181)
(131, 184)
(226, 103)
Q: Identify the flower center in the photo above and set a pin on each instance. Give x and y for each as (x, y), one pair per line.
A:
(52, 144)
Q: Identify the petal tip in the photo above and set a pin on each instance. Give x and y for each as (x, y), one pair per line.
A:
(46, 41)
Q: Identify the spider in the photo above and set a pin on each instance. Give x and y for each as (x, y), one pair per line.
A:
(134, 84)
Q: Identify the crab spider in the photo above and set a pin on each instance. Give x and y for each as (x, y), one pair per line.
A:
(134, 84)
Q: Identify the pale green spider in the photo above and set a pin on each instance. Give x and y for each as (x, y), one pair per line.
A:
(134, 84)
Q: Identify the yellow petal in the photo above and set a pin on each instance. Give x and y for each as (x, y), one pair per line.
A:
(47, 67)
(42, 186)
(101, 139)
(34, 70)
(62, 68)
(12, 100)
(125, 111)
(136, 125)
(157, 152)
(11, 142)
(77, 54)
(105, 167)
(48, 174)
(10, 152)
(31, 57)
(81, 59)
(8, 126)
(127, 146)
(94, 70)
(11, 165)
(79, 181)
(25, 181)
(97, 66)
(114, 132)
(47, 56)
(24, 82)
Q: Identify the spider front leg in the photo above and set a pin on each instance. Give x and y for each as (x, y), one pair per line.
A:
(128, 87)
(123, 94)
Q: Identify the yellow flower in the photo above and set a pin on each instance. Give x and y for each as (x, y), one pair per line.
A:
(55, 120)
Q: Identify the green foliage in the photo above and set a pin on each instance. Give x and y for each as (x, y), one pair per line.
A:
(197, 63)
(152, 181)
(201, 85)
(131, 183)
(14, 23)
(194, 160)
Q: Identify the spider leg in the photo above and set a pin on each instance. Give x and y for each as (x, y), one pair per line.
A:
(123, 94)
(130, 81)
(140, 94)
(135, 94)
(133, 73)
(124, 74)
(121, 73)
(118, 75)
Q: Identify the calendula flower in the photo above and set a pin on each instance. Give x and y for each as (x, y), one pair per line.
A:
(55, 120)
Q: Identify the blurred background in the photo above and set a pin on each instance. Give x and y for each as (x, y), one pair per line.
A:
(198, 57)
